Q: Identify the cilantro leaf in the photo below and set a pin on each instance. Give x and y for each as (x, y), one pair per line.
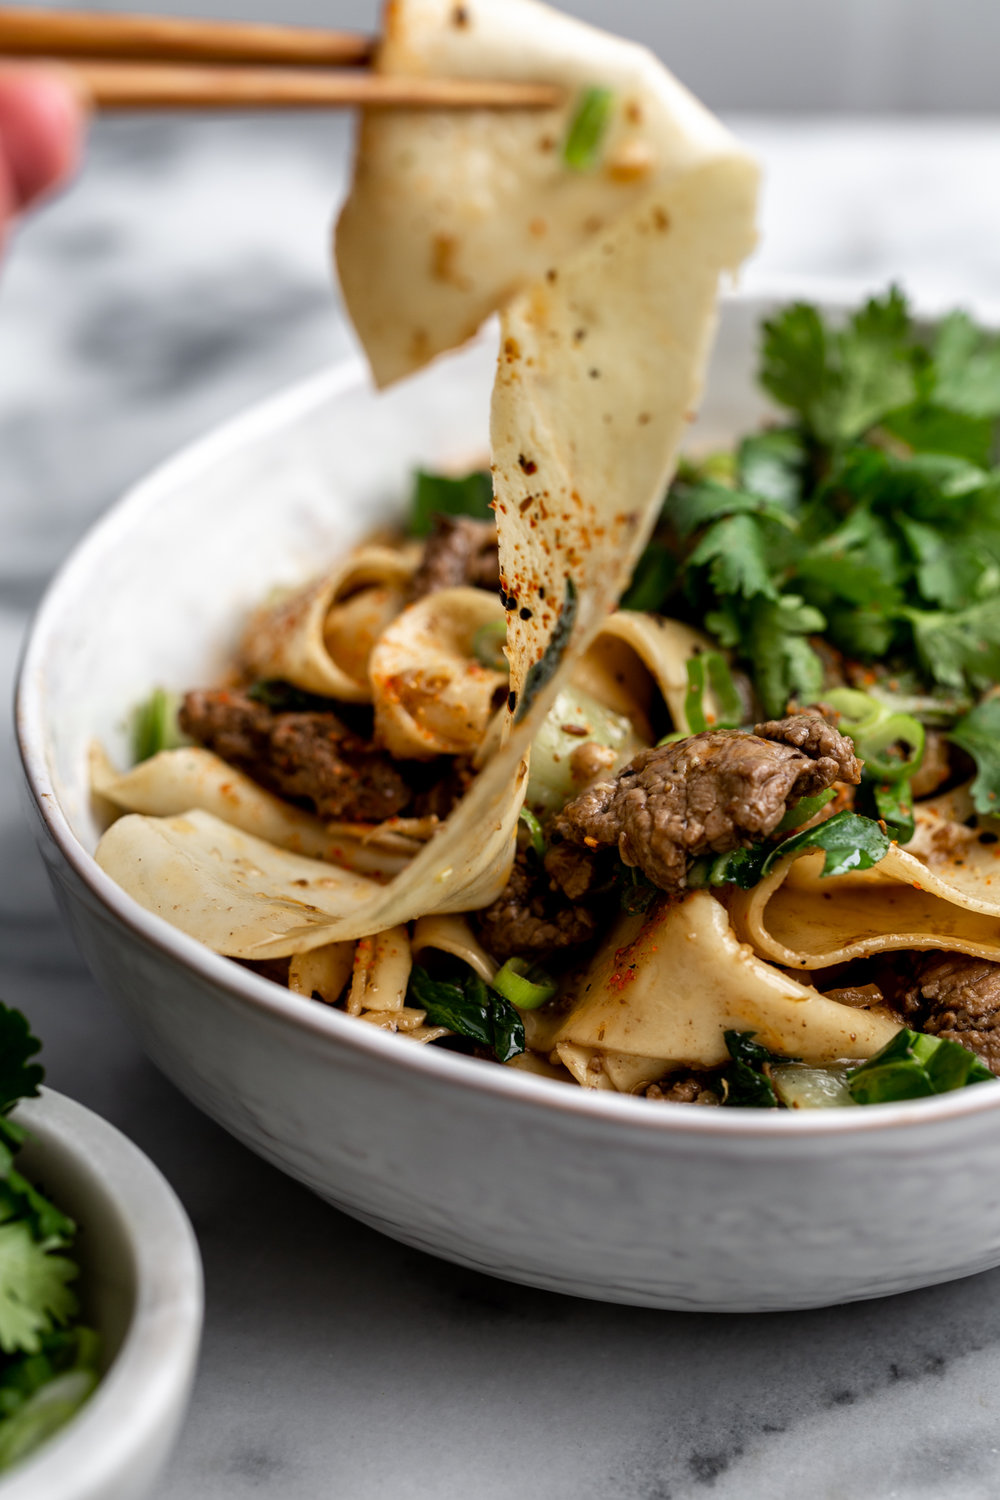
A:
(773, 465)
(849, 842)
(697, 505)
(967, 367)
(736, 554)
(959, 648)
(19, 1078)
(978, 734)
(926, 427)
(654, 577)
(841, 381)
(773, 639)
(34, 1288)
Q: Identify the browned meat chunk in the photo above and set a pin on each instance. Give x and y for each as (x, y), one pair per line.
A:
(309, 756)
(685, 1088)
(831, 752)
(458, 551)
(958, 998)
(709, 793)
(531, 916)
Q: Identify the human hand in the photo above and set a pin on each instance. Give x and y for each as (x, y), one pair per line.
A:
(41, 134)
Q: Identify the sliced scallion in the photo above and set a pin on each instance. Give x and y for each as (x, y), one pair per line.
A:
(523, 985)
(155, 727)
(588, 128)
(534, 828)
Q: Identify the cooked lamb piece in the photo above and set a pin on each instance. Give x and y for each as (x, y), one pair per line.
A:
(684, 1089)
(458, 551)
(831, 752)
(954, 996)
(531, 916)
(308, 756)
(710, 793)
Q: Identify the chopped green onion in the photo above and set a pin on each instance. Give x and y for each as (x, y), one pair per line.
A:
(891, 749)
(915, 1066)
(709, 670)
(155, 727)
(534, 828)
(806, 808)
(488, 643)
(523, 985)
(574, 718)
(588, 128)
(857, 709)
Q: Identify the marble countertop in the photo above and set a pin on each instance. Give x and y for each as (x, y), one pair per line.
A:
(185, 275)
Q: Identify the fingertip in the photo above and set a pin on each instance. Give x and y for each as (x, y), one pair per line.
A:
(42, 119)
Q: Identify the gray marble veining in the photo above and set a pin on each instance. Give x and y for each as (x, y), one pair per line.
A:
(186, 275)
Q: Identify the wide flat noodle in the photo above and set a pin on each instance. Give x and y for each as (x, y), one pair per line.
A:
(237, 894)
(191, 778)
(431, 694)
(604, 350)
(319, 637)
(664, 647)
(665, 987)
(948, 899)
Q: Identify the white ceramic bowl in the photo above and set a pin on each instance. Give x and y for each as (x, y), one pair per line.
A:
(588, 1193)
(140, 1286)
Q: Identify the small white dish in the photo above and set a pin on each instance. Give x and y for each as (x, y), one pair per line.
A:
(588, 1193)
(140, 1287)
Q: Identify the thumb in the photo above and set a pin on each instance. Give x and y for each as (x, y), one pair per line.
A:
(41, 131)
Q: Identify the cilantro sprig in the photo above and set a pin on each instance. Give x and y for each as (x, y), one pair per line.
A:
(870, 520)
(48, 1367)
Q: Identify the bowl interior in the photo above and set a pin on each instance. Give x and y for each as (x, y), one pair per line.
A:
(157, 594)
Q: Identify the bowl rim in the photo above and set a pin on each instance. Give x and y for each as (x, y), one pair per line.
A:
(261, 420)
(147, 1382)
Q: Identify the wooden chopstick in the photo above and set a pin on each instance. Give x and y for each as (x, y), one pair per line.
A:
(142, 86)
(161, 39)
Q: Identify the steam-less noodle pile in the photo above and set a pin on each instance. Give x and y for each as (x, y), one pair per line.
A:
(617, 794)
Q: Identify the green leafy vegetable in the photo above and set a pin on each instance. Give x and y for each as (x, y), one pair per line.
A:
(35, 1293)
(471, 1009)
(893, 805)
(654, 577)
(46, 1368)
(155, 726)
(841, 381)
(19, 1077)
(978, 734)
(584, 143)
(745, 1082)
(849, 842)
(915, 1066)
(445, 495)
(807, 807)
